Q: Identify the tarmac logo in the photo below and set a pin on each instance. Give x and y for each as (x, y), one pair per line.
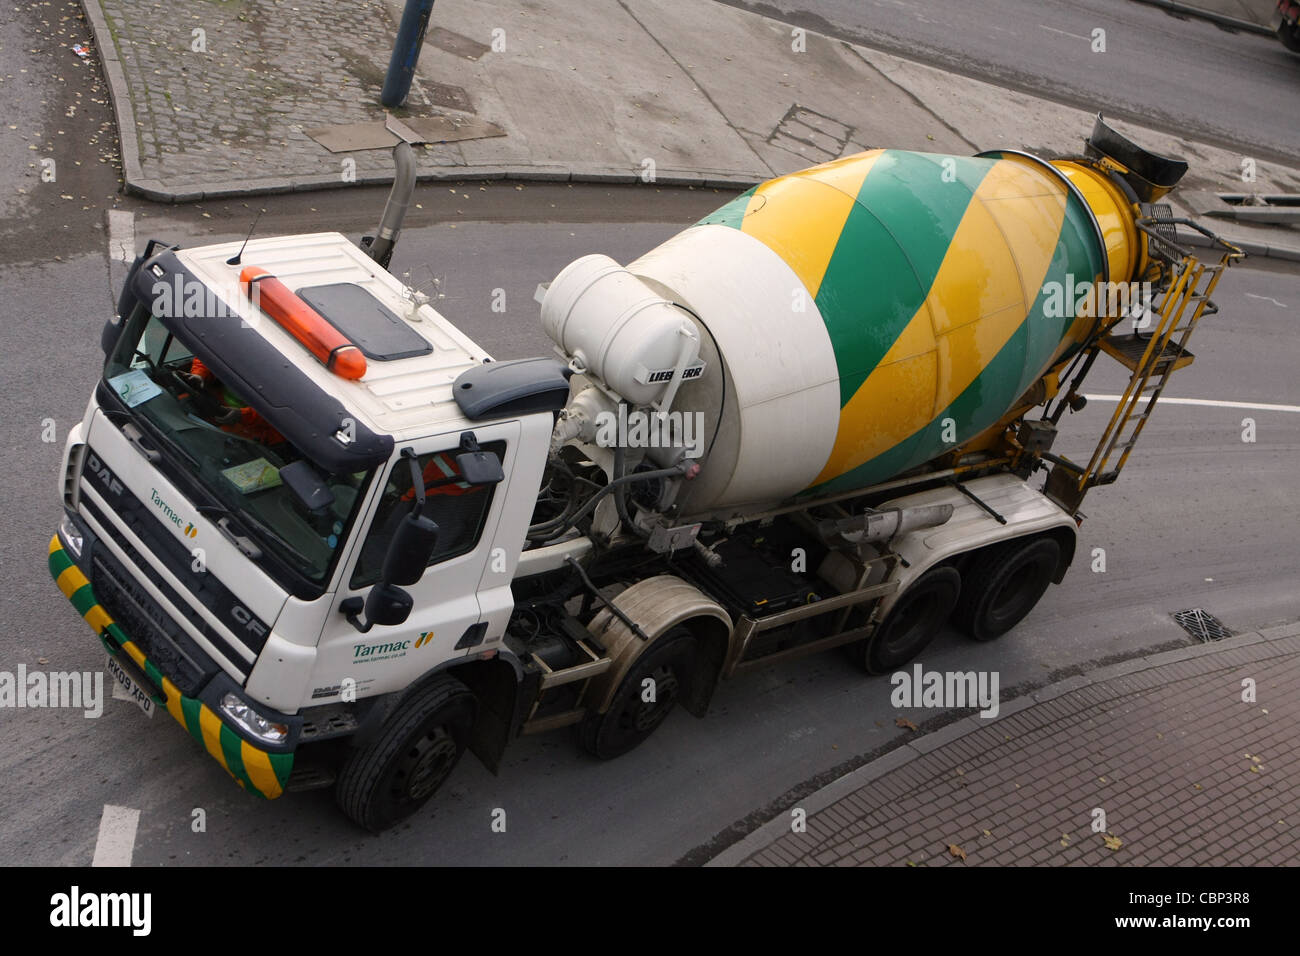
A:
(74, 909)
(170, 515)
(946, 690)
(368, 653)
(424, 638)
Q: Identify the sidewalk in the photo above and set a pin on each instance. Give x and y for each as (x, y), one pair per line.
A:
(630, 89)
(1184, 771)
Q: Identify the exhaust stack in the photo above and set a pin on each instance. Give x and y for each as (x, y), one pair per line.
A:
(380, 246)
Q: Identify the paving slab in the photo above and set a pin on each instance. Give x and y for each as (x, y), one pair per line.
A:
(1188, 769)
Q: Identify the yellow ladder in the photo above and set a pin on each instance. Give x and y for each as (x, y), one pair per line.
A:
(1151, 358)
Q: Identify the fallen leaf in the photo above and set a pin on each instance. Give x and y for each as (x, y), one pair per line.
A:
(1102, 780)
(1254, 769)
(42, 660)
(987, 832)
(911, 863)
(904, 722)
(1197, 786)
(956, 851)
(1112, 842)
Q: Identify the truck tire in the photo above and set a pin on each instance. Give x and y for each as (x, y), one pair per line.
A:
(916, 617)
(1002, 586)
(631, 719)
(393, 776)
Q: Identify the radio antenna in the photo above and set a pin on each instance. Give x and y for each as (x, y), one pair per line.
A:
(234, 260)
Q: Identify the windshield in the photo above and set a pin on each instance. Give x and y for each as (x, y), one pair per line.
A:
(232, 452)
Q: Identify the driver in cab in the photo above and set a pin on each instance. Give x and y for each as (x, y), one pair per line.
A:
(229, 412)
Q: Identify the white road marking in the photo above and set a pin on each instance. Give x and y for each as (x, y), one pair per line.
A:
(121, 234)
(1267, 298)
(116, 840)
(1256, 406)
(1064, 34)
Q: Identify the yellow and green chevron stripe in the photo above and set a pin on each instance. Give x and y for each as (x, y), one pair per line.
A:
(929, 273)
(262, 773)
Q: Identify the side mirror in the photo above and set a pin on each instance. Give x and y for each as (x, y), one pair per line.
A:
(408, 555)
(410, 550)
(477, 467)
(387, 605)
(126, 303)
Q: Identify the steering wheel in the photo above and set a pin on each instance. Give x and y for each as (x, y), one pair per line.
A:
(203, 404)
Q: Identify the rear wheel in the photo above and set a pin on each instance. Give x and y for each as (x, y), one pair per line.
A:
(911, 623)
(644, 699)
(1002, 586)
(392, 777)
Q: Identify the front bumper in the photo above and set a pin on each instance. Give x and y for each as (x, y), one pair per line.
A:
(254, 769)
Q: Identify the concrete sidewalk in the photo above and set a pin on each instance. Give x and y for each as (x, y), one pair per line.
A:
(1155, 761)
(216, 100)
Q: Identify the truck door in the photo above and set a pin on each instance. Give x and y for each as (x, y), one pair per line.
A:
(447, 620)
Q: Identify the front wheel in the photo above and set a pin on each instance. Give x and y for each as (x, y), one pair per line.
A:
(392, 777)
(911, 624)
(1003, 585)
(644, 699)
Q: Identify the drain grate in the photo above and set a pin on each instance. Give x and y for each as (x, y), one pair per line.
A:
(1201, 624)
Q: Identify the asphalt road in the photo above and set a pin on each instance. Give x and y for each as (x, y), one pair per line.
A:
(1200, 518)
(1183, 75)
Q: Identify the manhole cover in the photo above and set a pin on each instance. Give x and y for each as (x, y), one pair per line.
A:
(1201, 624)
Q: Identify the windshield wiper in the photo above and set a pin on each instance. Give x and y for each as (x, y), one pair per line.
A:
(248, 518)
(226, 527)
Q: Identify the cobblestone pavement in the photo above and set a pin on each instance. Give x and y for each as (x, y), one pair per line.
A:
(231, 86)
(1183, 769)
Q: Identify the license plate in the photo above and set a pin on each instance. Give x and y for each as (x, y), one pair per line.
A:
(133, 691)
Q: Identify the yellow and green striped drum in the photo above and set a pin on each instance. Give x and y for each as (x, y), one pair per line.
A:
(871, 313)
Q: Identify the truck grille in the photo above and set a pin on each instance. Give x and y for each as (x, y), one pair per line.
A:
(146, 624)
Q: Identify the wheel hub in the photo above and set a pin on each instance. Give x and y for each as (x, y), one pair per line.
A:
(426, 764)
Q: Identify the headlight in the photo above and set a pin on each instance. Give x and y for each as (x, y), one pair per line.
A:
(72, 539)
(253, 722)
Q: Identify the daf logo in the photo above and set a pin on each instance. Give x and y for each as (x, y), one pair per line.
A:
(100, 471)
(244, 617)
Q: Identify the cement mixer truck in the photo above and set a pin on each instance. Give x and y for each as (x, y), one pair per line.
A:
(340, 545)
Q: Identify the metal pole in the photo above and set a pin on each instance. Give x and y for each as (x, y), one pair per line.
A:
(406, 51)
